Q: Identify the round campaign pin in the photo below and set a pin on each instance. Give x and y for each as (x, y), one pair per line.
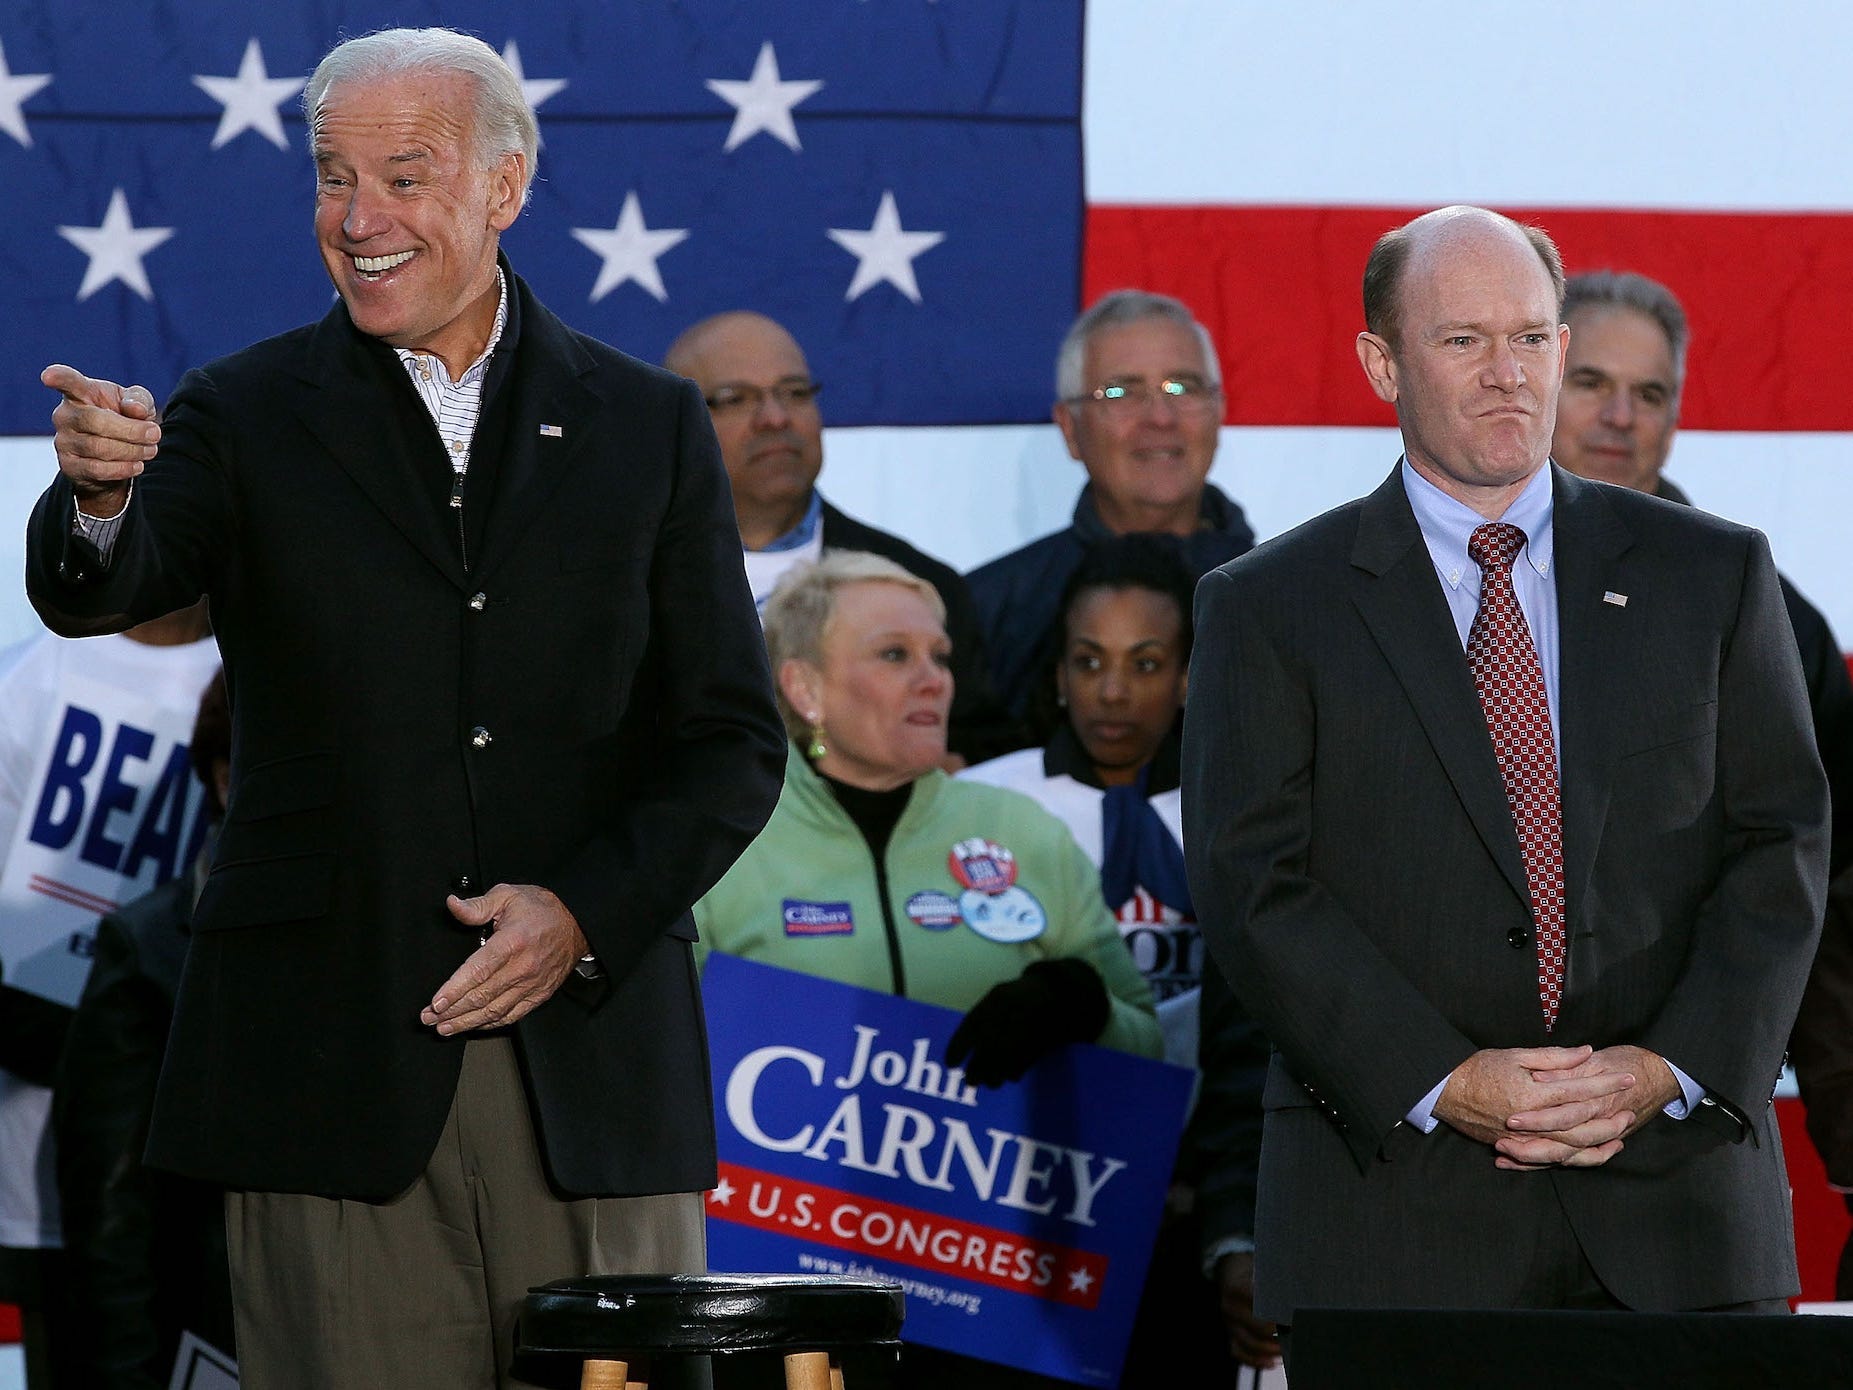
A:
(1008, 917)
(934, 911)
(982, 865)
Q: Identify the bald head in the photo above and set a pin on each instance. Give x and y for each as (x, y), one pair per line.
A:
(723, 334)
(1390, 257)
(1471, 351)
(763, 402)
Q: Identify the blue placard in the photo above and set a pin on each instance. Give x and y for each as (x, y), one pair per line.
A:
(1019, 1220)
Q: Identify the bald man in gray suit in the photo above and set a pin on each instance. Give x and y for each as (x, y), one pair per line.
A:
(1506, 823)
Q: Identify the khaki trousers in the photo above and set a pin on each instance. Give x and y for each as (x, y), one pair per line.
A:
(423, 1290)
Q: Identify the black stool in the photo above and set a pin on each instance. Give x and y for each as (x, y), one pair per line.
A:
(610, 1323)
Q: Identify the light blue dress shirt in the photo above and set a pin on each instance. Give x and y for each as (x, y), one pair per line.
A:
(1447, 524)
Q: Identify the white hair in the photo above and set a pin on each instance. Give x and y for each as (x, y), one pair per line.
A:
(502, 122)
(1116, 310)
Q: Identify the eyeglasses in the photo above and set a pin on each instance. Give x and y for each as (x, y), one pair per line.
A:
(1189, 395)
(746, 400)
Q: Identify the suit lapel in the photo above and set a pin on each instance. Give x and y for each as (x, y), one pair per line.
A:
(353, 414)
(546, 393)
(1403, 607)
(1595, 640)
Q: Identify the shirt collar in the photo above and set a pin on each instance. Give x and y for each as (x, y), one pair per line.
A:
(1447, 523)
(475, 371)
(805, 531)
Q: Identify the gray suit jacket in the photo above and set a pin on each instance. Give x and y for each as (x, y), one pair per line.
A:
(1358, 877)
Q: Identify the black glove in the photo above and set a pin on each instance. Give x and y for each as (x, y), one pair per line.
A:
(1018, 1023)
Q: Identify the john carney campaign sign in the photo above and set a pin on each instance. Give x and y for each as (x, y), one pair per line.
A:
(1019, 1220)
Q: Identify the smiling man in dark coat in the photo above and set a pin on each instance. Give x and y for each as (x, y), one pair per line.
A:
(500, 714)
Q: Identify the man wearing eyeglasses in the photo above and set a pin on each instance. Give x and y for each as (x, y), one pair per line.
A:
(1139, 405)
(763, 401)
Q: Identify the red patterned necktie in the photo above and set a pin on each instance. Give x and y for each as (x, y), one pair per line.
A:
(1510, 682)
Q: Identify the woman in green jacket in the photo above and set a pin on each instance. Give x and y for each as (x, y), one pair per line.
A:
(878, 870)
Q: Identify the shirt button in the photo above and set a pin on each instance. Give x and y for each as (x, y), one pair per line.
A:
(481, 737)
(1518, 938)
(479, 601)
(456, 446)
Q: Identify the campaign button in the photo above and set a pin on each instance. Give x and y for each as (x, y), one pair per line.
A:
(982, 865)
(934, 911)
(1008, 917)
(817, 919)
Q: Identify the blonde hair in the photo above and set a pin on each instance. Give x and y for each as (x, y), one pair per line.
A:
(802, 606)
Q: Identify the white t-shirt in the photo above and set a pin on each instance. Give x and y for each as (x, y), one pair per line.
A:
(1165, 943)
(98, 804)
(764, 568)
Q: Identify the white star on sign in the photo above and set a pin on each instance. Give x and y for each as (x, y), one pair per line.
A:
(13, 94)
(630, 250)
(534, 90)
(763, 102)
(722, 1193)
(885, 252)
(116, 249)
(250, 99)
(1079, 1280)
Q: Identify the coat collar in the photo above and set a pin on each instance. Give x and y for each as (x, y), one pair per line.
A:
(1597, 645)
(1402, 606)
(810, 797)
(358, 413)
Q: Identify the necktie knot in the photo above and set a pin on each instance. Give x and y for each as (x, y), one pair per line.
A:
(1495, 545)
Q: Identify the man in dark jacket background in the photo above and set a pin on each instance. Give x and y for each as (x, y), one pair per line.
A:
(763, 400)
(1623, 379)
(144, 1250)
(1624, 376)
(1140, 404)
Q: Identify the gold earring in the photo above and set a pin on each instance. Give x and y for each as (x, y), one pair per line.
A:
(817, 747)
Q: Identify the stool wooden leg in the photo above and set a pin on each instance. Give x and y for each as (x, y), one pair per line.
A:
(604, 1375)
(807, 1370)
(836, 1378)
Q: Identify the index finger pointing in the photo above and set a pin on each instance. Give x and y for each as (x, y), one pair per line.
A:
(74, 386)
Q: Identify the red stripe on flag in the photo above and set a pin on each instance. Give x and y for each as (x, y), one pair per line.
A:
(66, 893)
(1768, 295)
(942, 1245)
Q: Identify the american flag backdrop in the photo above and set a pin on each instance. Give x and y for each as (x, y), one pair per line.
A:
(879, 177)
(926, 190)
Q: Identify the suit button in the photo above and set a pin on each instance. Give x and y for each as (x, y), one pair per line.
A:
(1518, 938)
(481, 737)
(479, 601)
(463, 886)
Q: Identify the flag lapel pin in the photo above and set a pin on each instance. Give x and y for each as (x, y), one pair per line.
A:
(1610, 596)
(552, 432)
